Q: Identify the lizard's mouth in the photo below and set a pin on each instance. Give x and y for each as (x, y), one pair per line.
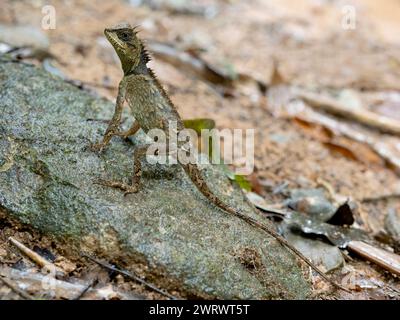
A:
(112, 37)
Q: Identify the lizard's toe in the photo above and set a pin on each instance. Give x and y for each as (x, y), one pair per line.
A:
(130, 190)
(101, 182)
(118, 185)
(97, 147)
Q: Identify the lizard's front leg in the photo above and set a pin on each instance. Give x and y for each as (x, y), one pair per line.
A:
(138, 154)
(113, 127)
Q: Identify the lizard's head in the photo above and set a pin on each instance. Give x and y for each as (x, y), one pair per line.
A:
(127, 45)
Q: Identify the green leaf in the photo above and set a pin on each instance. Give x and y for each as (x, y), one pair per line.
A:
(243, 182)
(199, 124)
(239, 179)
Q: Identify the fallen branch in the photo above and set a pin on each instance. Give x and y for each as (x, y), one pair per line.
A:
(382, 258)
(363, 116)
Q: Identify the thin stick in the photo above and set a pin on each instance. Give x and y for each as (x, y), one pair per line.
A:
(86, 289)
(129, 275)
(14, 288)
(42, 262)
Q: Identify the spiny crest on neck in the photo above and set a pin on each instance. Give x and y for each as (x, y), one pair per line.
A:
(144, 55)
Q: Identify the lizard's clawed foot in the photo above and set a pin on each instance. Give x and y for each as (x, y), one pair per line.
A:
(130, 189)
(117, 184)
(123, 134)
(97, 147)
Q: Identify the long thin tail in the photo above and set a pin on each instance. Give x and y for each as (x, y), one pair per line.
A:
(195, 175)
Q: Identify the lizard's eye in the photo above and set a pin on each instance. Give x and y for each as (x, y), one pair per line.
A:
(124, 36)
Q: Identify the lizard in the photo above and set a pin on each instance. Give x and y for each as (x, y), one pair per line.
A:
(152, 109)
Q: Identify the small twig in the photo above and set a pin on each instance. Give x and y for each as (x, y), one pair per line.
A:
(42, 262)
(129, 275)
(17, 290)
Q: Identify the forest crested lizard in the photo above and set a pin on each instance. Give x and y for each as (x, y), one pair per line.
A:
(152, 109)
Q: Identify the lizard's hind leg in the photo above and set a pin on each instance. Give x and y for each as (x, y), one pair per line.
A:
(130, 132)
(138, 154)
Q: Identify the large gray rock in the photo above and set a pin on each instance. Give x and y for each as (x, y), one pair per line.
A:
(168, 230)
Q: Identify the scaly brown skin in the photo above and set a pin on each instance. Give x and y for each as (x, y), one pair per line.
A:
(153, 109)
